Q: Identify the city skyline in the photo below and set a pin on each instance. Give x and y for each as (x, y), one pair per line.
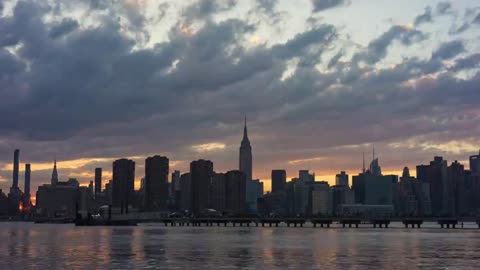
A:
(320, 83)
(55, 178)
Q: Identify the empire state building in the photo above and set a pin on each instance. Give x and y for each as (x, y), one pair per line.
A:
(245, 161)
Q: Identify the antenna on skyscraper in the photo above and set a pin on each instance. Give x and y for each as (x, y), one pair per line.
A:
(373, 152)
(363, 170)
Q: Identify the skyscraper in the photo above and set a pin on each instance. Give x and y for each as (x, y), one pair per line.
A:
(245, 162)
(322, 199)
(475, 163)
(123, 183)
(185, 192)
(245, 166)
(341, 179)
(235, 192)
(372, 187)
(27, 185)
(16, 160)
(156, 183)
(218, 192)
(436, 175)
(456, 186)
(306, 177)
(54, 180)
(201, 173)
(411, 197)
(98, 181)
(14, 196)
(175, 188)
(279, 178)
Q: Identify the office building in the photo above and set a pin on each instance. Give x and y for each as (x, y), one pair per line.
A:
(156, 183)
(306, 177)
(98, 181)
(175, 189)
(373, 188)
(245, 166)
(201, 173)
(185, 192)
(475, 163)
(341, 179)
(456, 185)
(16, 164)
(437, 176)
(279, 179)
(123, 183)
(341, 194)
(411, 196)
(301, 191)
(235, 192)
(57, 201)
(26, 195)
(15, 194)
(322, 202)
(218, 192)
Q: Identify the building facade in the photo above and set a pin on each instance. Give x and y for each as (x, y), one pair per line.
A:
(98, 181)
(156, 183)
(201, 172)
(123, 183)
(279, 179)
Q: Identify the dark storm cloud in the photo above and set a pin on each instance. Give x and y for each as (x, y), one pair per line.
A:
(320, 5)
(64, 27)
(426, 17)
(469, 62)
(449, 50)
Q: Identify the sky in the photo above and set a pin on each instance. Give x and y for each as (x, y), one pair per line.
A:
(320, 81)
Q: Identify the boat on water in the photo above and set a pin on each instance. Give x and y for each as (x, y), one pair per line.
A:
(103, 218)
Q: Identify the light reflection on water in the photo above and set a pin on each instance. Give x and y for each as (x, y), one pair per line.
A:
(31, 246)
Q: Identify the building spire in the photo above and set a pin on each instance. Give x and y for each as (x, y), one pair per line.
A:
(54, 179)
(373, 154)
(245, 133)
(363, 169)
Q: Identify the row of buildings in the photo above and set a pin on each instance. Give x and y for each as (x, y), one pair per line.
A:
(439, 190)
(233, 192)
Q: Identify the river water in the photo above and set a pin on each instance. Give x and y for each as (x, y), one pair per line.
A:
(153, 246)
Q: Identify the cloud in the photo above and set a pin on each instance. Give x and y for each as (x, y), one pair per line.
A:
(469, 62)
(477, 19)
(426, 17)
(268, 5)
(444, 8)
(96, 91)
(204, 8)
(321, 5)
(449, 50)
(377, 48)
(308, 160)
(64, 27)
(207, 147)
